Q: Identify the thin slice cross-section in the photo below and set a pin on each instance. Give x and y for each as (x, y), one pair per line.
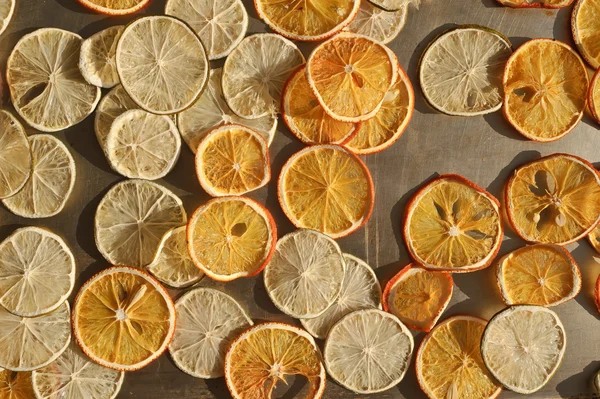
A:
(594, 238)
(7, 9)
(350, 74)
(208, 321)
(37, 272)
(112, 105)
(15, 385)
(307, 20)
(28, 343)
(586, 30)
(211, 111)
(51, 182)
(255, 72)
(461, 71)
(553, 200)
(132, 218)
(394, 5)
(46, 86)
(536, 3)
(594, 97)
(266, 355)
(418, 297)
(221, 25)
(522, 347)
(360, 290)
(545, 89)
(305, 275)
(74, 376)
(141, 145)
(453, 225)
(123, 318)
(15, 155)
(97, 57)
(162, 64)
(307, 119)
(328, 189)
(115, 7)
(388, 124)
(378, 24)
(368, 351)
(597, 293)
(232, 160)
(231, 237)
(172, 264)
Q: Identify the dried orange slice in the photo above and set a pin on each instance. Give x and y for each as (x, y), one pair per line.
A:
(536, 3)
(231, 237)
(449, 363)
(328, 189)
(115, 7)
(586, 30)
(594, 97)
(307, 21)
(418, 297)
(597, 294)
(305, 117)
(15, 385)
(388, 124)
(266, 354)
(453, 225)
(543, 274)
(555, 199)
(545, 89)
(123, 318)
(594, 238)
(351, 74)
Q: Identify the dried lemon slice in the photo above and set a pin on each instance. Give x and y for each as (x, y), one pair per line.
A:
(378, 24)
(132, 218)
(394, 5)
(7, 9)
(453, 225)
(162, 64)
(586, 30)
(554, 200)
(221, 25)
(15, 385)
(15, 155)
(112, 105)
(28, 343)
(46, 86)
(51, 183)
(115, 7)
(143, 145)
(211, 111)
(255, 72)
(536, 3)
(97, 57)
(202, 338)
(545, 89)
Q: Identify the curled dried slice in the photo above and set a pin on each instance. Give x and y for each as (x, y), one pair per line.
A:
(536, 3)
(15, 385)
(586, 30)
(97, 57)
(15, 155)
(378, 24)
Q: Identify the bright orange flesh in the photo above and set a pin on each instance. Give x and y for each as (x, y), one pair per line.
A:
(536, 3)
(115, 7)
(585, 24)
(15, 385)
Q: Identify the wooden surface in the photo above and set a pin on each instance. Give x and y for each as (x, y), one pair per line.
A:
(483, 149)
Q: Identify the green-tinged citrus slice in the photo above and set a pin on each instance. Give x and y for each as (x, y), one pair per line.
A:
(15, 155)
(97, 57)
(378, 24)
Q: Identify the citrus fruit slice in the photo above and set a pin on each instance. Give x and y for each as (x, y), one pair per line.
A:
(378, 24)
(123, 318)
(221, 25)
(418, 297)
(543, 274)
(461, 70)
(522, 347)
(97, 57)
(28, 343)
(350, 74)
(597, 294)
(231, 237)
(211, 111)
(115, 7)
(172, 264)
(594, 238)
(15, 155)
(586, 30)
(536, 3)
(162, 64)
(202, 338)
(232, 160)
(360, 290)
(328, 189)
(368, 351)
(266, 354)
(7, 8)
(143, 145)
(15, 385)
(594, 97)
(394, 5)
(449, 363)
(307, 21)
(388, 124)
(545, 89)
(453, 225)
(37, 272)
(255, 72)
(46, 86)
(51, 182)
(74, 376)
(132, 218)
(112, 105)
(305, 274)
(555, 199)
(305, 117)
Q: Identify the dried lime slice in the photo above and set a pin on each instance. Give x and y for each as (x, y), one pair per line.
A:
(15, 155)
(97, 57)
(377, 23)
